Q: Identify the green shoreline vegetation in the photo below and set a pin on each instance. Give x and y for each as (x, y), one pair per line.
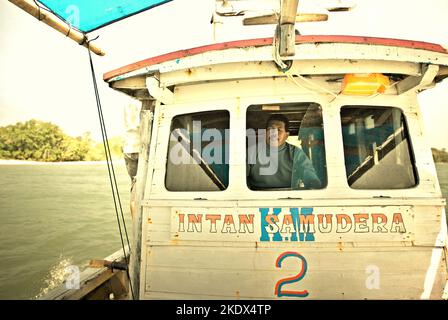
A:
(46, 142)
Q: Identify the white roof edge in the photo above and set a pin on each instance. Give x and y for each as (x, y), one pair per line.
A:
(304, 51)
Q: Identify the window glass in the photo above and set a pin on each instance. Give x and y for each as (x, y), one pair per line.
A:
(285, 147)
(198, 152)
(376, 148)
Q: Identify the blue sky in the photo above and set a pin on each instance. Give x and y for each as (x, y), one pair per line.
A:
(46, 76)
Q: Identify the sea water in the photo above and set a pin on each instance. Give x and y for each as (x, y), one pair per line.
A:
(56, 216)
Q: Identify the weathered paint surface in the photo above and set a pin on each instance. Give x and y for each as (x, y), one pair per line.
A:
(294, 224)
(332, 243)
(211, 252)
(176, 56)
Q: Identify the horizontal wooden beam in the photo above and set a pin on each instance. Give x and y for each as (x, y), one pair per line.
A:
(272, 18)
(248, 70)
(108, 264)
(53, 21)
(132, 83)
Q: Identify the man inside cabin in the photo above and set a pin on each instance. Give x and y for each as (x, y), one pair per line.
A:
(276, 164)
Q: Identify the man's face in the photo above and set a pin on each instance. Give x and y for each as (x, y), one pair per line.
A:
(276, 134)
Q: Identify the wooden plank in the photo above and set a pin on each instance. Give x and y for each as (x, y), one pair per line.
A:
(91, 285)
(287, 40)
(286, 30)
(61, 292)
(133, 83)
(288, 11)
(158, 110)
(330, 275)
(108, 264)
(145, 137)
(423, 229)
(245, 258)
(431, 229)
(272, 18)
(153, 295)
(164, 241)
(344, 224)
(159, 227)
(242, 285)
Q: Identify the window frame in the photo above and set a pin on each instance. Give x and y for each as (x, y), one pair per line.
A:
(237, 188)
(410, 145)
(337, 186)
(168, 149)
(325, 167)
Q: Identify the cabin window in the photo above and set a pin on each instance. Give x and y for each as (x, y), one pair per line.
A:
(198, 152)
(377, 149)
(285, 147)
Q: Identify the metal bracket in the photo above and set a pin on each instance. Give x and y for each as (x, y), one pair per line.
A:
(428, 74)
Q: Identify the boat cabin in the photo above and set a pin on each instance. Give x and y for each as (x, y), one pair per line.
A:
(287, 167)
(373, 228)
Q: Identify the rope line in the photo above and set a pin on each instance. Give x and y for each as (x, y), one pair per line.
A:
(110, 168)
(285, 68)
(285, 65)
(38, 10)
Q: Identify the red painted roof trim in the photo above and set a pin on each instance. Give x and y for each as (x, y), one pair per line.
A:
(268, 41)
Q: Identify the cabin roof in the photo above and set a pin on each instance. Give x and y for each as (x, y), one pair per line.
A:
(300, 39)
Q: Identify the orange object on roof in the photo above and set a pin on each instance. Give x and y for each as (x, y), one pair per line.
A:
(364, 84)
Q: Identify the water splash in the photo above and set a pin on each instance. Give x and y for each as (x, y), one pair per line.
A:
(56, 276)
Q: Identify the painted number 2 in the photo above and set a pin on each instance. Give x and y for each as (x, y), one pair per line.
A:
(279, 292)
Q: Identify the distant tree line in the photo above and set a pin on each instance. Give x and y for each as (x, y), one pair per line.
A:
(439, 155)
(43, 141)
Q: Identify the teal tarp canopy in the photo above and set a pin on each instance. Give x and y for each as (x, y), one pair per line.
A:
(88, 15)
